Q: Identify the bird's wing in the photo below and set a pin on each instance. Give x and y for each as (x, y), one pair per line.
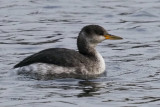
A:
(57, 56)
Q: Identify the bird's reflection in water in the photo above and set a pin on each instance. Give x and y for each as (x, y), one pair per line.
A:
(89, 88)
(62, 87)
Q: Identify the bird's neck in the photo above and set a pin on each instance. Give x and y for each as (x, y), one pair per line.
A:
(85, 48)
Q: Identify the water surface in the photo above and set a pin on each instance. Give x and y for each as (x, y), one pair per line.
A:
(133, 71)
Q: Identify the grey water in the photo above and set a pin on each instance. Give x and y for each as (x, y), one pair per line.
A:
(132, 65)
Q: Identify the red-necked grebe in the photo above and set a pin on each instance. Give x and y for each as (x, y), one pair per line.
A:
(66, 63)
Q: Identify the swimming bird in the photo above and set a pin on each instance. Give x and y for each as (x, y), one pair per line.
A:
(85, 63)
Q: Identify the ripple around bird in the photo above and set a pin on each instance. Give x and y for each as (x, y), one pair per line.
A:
(133, 71)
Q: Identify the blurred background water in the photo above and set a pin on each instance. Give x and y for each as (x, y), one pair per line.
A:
(133, 64)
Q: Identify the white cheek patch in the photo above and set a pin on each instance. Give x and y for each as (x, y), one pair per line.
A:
(102, 38)
(98, 38)
(95, 40)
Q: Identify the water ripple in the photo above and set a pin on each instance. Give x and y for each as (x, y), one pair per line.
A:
(132, 65)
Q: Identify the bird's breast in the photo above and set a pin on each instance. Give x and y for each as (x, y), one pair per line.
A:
(101, 63)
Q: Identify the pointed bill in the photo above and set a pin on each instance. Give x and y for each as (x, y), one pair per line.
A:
(112, 37)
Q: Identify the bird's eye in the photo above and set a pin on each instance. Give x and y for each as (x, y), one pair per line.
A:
(99, 32)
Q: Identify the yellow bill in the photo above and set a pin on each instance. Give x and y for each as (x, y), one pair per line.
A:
(112, 37)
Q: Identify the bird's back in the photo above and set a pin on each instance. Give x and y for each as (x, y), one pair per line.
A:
(58, 56)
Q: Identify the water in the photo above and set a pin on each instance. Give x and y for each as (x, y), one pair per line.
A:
(133, 70)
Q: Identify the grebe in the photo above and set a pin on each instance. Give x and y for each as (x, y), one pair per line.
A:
(66, 63)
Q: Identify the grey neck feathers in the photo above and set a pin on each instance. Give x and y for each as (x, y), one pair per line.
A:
(85, 48)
